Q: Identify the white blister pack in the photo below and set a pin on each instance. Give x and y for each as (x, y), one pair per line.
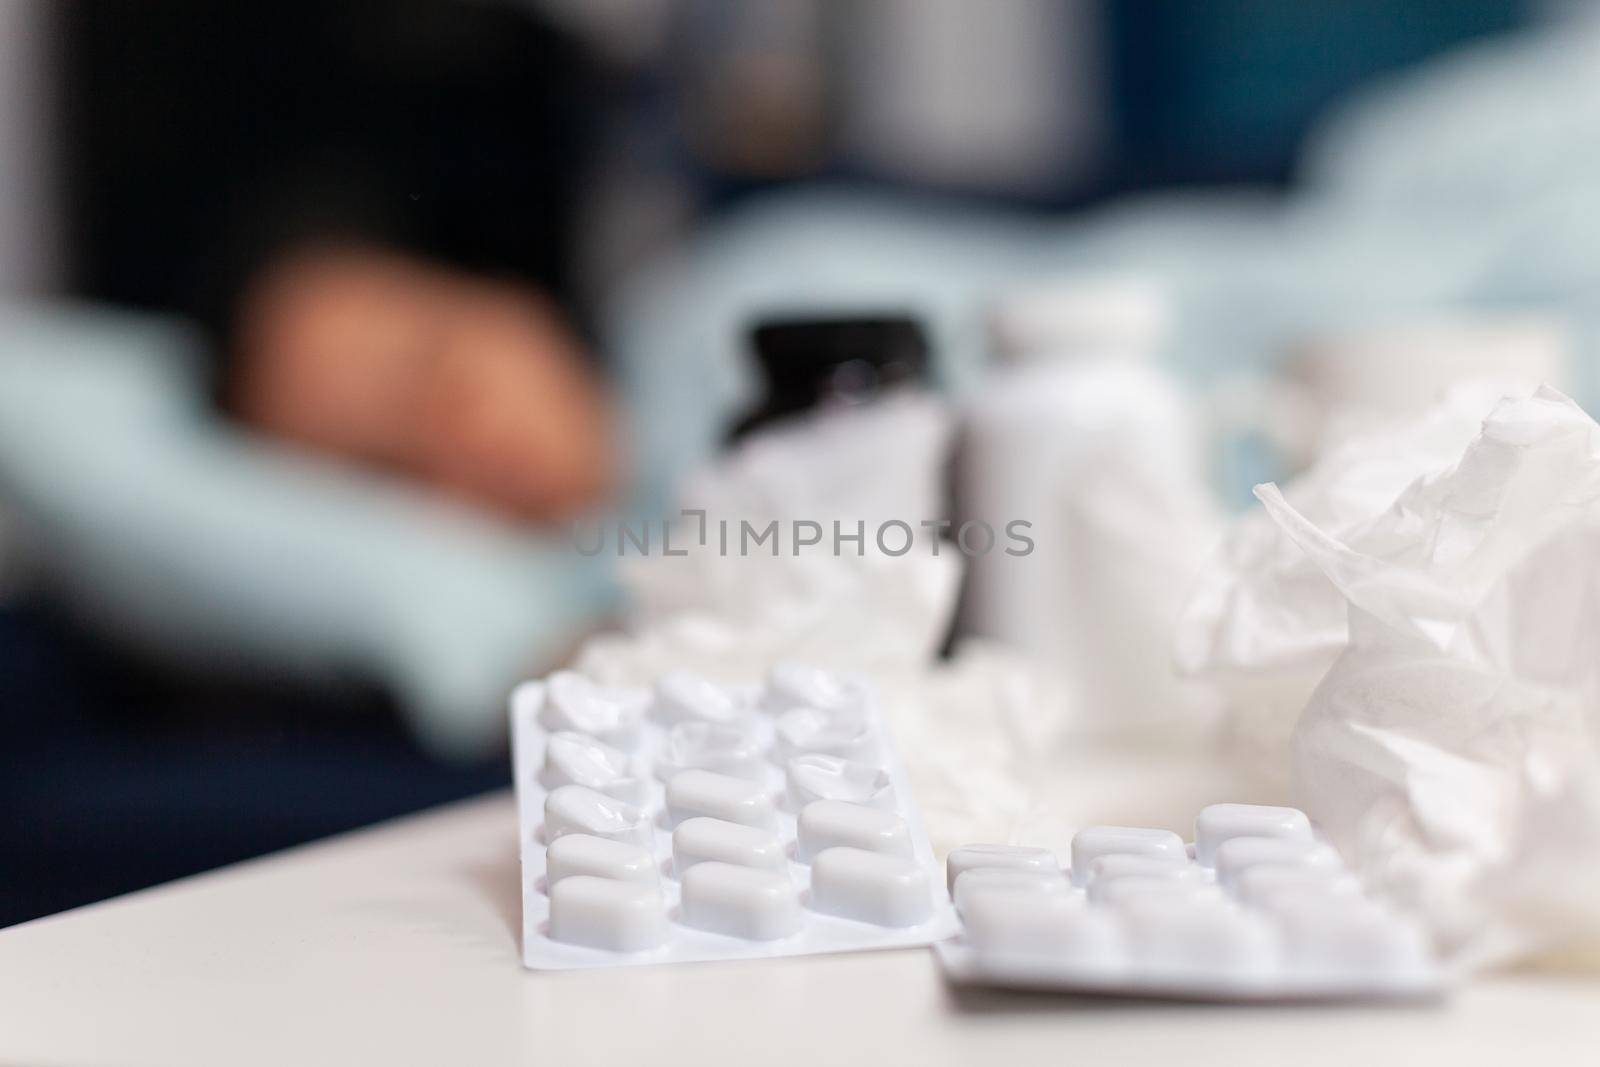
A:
(692, 821)
(1256, 908)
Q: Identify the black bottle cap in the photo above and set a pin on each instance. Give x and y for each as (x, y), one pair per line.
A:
(810, 361)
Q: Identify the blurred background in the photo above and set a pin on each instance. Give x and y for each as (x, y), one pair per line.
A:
(319, 321)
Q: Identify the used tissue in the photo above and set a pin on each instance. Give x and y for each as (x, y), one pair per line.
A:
(727, 605)
(1263, 624)
(1452, 749)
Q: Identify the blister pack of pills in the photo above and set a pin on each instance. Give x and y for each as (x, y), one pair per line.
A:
(692, 821)
(1257, 908)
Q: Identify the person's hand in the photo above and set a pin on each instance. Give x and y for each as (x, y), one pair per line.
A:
(471, 385)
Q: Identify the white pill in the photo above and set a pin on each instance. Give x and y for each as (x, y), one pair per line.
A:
(1050, 925)
(1012, 857)
(704, 840)
(1204, 938)
(805, 730)
(640, 792)
(1222, 822)
(870, 887)
(697, 792)
(1265, 883)
(1351, 937)
(571, 758)
(1137, 889)
(825, 824)
(576, 809)
(573, 702)
(1108, 870)
(979, 880)
(608, 914)
(726, 898)
(726, 749)
(798, 685)
(1123, 864)
(816, 776)
(683, 696)
(1092, 842)
(1238, 854)
(583, 854)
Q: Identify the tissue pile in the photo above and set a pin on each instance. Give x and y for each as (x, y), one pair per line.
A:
(1443, 583)
(699, 822)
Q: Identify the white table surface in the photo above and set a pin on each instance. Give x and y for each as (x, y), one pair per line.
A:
(397, 945)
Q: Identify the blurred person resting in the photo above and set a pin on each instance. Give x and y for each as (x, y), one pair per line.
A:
(368, 206)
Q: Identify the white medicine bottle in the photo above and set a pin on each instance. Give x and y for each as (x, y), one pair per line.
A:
(1079, 432)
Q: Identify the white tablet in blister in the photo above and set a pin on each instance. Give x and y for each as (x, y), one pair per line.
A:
(670, 823)
(1257, 909)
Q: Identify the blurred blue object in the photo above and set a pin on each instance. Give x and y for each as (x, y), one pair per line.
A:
(203, 545)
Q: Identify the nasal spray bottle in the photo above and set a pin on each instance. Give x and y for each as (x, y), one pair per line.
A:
(1078, 432)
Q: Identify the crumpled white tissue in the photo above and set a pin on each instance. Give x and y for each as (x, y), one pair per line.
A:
(728, 613)
(1263, 624)
(869, 614)
(1452, 750)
